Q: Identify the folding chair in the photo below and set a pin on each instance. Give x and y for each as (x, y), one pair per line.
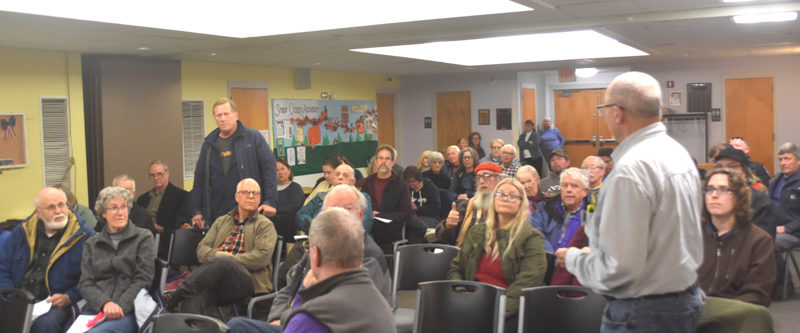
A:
(459, 306)
(787, 275)
(187, 323)
(413, 264)
(276, 264)
(16, 307)
(560, 309)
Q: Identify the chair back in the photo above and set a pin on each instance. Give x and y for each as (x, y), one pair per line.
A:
(187, 323)
(276, 261)
(415, 263)
(459, 306)
(560, 309)
(183, 247)
(446, 198)
(16, 306)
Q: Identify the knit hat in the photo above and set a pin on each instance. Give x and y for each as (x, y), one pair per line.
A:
(488, 166)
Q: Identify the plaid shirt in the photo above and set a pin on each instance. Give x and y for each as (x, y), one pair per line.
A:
(234, 244)
(511, 171)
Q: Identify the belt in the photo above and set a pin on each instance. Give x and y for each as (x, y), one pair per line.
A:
(654, 296)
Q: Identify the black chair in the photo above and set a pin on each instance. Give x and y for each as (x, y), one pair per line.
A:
(560, 309)
(183, 247)
(413, 264)
(187, 323)
(276, 264)
(16, 307)
(787, 275)
(459, 306)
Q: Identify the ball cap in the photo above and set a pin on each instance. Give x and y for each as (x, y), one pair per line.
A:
(734, 154)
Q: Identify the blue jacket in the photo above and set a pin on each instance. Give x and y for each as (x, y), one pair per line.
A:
(551, 140)
(254, 159)
(788, 208)
(549, 219)
(64, 269)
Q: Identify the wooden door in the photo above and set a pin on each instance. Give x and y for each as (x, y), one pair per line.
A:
(749, 114)
(253, 104)
(528, 105)
(583, 128)
(386, 119)
(452, 117)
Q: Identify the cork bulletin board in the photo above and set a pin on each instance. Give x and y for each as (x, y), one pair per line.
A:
(13, 151)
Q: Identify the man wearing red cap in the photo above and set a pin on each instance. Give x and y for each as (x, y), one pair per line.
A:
(453, 229)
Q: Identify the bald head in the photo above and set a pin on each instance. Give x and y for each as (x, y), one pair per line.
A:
(637, 93)
(344, 175)
(52, 209)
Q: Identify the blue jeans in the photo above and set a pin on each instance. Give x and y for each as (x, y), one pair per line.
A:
(677, 312)
(125, 324)
(246, 325)
(54, 320)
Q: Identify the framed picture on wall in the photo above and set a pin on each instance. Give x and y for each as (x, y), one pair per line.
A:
(503, 119)
(483, 117)
(675, 98)
(13, 151)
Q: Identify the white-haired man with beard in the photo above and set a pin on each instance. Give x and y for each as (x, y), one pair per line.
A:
(41, 254)
(462, 217)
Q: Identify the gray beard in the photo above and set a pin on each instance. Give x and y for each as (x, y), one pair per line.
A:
(482, 201)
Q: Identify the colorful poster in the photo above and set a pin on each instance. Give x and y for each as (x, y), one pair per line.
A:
(312, 123)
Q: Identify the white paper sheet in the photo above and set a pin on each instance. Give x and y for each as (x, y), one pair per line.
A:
(40, 308)
(383, 219)
(79, 325)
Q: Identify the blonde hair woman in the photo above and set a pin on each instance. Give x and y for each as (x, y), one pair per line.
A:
(506, 250)
(422, 163)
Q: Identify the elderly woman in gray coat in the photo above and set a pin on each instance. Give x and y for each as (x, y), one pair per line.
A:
(116, 263)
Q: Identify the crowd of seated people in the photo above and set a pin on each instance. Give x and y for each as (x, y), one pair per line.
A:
(495, 207)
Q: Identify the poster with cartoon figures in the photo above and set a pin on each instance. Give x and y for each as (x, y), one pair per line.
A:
(13, 152)
(320, 127)
(310, 123)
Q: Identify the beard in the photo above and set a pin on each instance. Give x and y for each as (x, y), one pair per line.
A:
(53, 224)
(482, 201)
(384, 170)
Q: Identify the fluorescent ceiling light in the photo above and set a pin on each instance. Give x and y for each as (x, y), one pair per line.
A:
(251, 18)
(735, 1)
(585, 72)
(582, 44)
(765, 17)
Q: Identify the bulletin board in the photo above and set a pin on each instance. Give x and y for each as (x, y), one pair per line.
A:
(13, 151)
(306, 131)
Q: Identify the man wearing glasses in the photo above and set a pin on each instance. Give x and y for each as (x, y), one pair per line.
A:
(597, 171)
(234, 258)
(165, 203)
(645, 241)
(463, 216)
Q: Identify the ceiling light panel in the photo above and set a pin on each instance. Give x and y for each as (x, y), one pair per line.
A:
(765, 17)
(582, 44)
(253, 18)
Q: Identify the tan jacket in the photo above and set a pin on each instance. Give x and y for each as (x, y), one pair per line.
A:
(259, 243)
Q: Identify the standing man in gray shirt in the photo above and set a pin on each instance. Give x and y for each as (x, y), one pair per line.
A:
(644, 236)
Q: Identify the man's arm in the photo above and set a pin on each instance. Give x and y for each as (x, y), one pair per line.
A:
(616, 257)
(268, 170)
(206, 247)
(304, 216)
(7, 261)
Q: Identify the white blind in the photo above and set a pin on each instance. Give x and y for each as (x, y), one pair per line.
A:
(193, 133)
(56, 142)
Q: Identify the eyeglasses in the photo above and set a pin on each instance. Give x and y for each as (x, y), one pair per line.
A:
(595, 167)
(507, 197)
(117, 208)
(722, 190)
(467, 157)
(57, 206)
(508, 153)
(496, 147)
(157, 175)
(485, 176)
(249, 193)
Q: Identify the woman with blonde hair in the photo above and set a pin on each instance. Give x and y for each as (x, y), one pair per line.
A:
(422, 163)
(506, 250)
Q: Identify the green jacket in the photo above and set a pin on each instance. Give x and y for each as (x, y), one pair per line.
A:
(259, 243)
(524, 266)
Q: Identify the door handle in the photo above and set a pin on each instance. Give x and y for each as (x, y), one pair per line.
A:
(602, 141)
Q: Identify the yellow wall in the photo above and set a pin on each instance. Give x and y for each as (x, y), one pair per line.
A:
(25, 77)
(209, 81)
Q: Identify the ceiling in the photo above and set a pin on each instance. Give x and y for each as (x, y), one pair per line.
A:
(669, 30)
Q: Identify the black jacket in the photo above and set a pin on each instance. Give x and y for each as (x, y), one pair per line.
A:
(171, 207)
(788, 212)
(395, 205)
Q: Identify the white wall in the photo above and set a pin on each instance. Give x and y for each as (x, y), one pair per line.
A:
(417, 100)
(417, 96)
